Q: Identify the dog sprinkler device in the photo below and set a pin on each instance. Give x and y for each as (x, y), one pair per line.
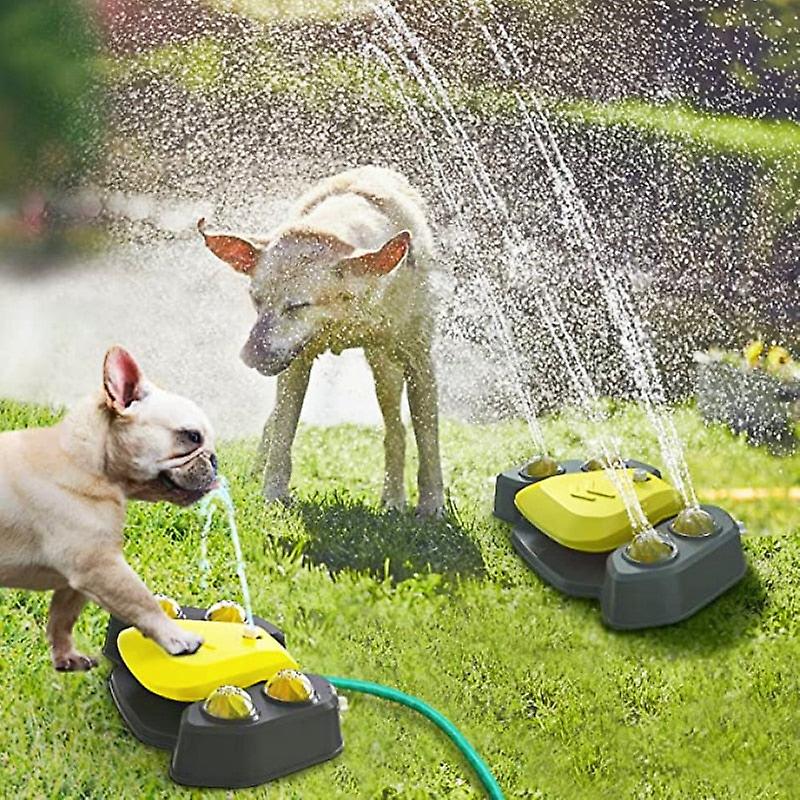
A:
(239, 712)
(571, 526)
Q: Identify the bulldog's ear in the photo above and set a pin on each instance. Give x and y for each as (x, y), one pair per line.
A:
(122, 379)
(236, 251)
(382, 261)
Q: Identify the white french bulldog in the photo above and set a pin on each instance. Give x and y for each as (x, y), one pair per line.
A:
(63, 494)
(350, 267)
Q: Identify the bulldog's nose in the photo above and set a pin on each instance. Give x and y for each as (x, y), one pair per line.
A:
(214, 462)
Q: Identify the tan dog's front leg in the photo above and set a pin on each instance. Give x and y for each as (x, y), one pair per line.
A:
(281, 428)
(424, 405)
(106, 578)
(389, 390)
(65, 608)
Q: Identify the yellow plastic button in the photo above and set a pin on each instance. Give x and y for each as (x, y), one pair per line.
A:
(290, 686)
(225, 657)
(230, 702)
(226, 611)
(583, 510)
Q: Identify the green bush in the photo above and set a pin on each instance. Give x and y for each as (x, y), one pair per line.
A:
(49, 129)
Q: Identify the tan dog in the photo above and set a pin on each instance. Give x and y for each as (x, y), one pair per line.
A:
(349, 268)
(63, 492)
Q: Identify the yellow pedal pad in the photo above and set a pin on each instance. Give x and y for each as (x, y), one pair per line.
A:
(227, 656)
(583, 510)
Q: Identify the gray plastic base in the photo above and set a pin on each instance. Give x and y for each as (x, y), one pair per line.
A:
(636, 596)
(631, 596)
(284, 737)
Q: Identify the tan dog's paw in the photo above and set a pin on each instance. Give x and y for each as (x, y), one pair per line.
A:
(277, 494)
(430, 510)
(393, 503)
(73, 662)
(179, 642)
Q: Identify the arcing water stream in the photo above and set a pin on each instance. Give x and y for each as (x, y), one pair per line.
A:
(635, 346)
(432, 88)
(615, 287)
(206, 508)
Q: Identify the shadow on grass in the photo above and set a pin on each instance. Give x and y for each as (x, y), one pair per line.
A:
(736, 614)
(345, 533)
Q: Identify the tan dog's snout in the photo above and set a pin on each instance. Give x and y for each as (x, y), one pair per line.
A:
(261, 353)
(257, 347)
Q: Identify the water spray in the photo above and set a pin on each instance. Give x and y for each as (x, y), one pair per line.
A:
(628, 538)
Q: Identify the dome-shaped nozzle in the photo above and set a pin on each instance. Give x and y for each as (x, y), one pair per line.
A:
(290, 686)
(541, 466)
(169, 606)
(694, 521)
(226, 611)
(602, 462)
(230, 702)
(650, 547)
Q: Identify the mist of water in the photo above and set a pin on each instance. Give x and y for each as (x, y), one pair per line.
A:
(420, 68)
(614, 285)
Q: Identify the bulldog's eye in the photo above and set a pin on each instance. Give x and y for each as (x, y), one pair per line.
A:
(290, 308)
(195, 437)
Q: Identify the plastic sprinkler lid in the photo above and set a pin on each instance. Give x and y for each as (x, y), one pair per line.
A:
(290, 686)
(230, 702)
(602, 462)
(169, 606)
(693, 521)
(650, 547)
(541, 466)
(226, 611)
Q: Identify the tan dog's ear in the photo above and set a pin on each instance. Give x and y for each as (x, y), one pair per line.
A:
(239, 253)
(382, 261)
(122, 379)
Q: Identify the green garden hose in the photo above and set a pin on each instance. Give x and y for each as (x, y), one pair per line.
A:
(483, 772)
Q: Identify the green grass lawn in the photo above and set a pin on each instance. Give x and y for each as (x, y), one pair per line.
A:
(559, 706)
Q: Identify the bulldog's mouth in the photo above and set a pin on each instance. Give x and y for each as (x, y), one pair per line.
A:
(188, 496)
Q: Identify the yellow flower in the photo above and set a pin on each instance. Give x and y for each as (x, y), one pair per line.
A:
(753, 352)
(778, 357)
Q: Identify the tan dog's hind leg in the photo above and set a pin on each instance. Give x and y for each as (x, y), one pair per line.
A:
(281, 428)
(424, 405)
(389, 390)
(65, 608)
(106, 578)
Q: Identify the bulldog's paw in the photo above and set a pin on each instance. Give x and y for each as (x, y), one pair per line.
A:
(73, 661)
(179, 642)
